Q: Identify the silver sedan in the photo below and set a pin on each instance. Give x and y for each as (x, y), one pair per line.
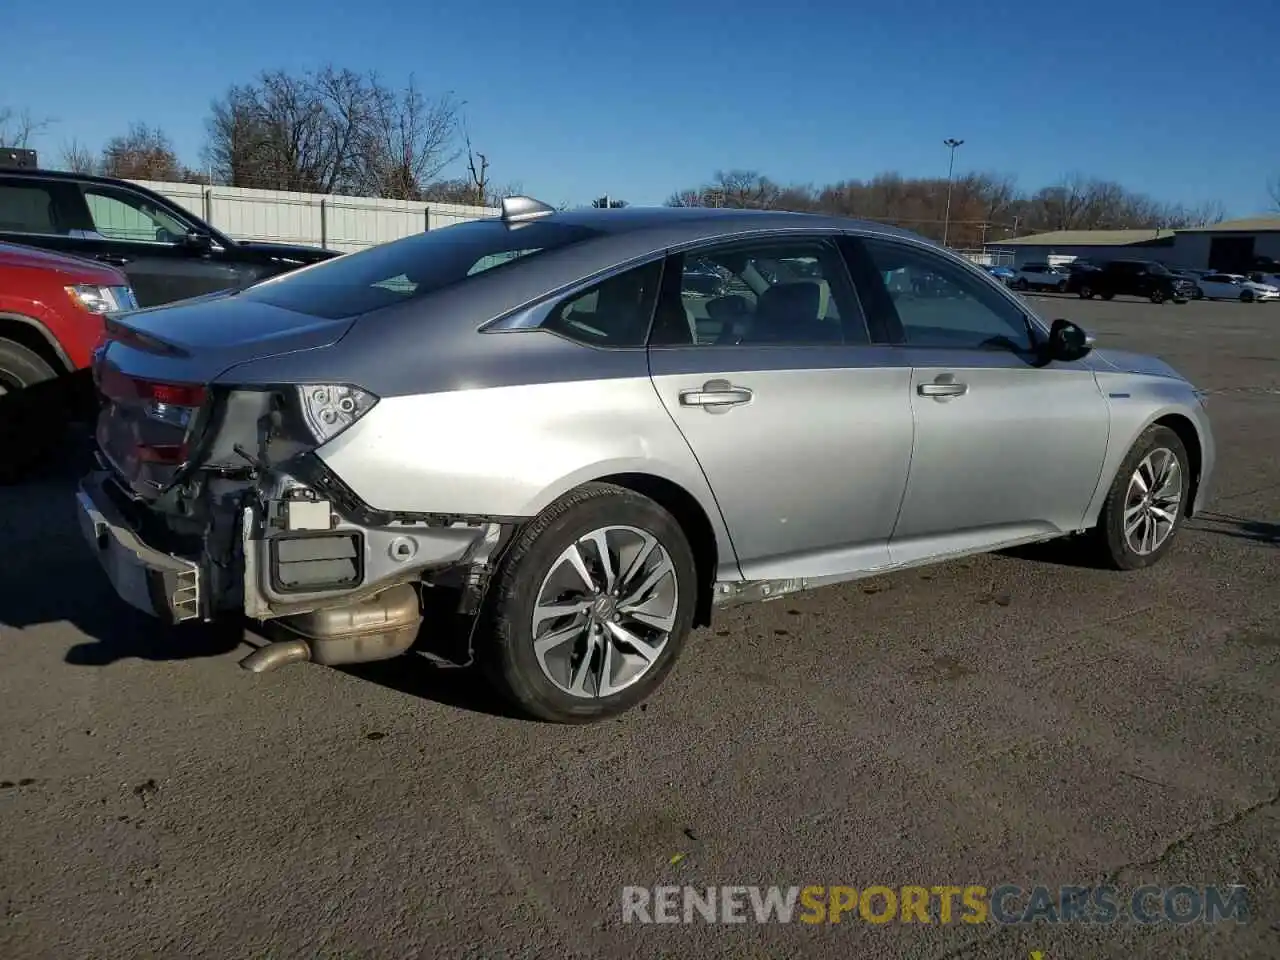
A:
(545, 417)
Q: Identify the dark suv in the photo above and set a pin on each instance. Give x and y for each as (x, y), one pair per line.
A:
(167, 252)
(1132, 278)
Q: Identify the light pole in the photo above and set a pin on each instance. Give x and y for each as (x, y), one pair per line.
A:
(950, 143)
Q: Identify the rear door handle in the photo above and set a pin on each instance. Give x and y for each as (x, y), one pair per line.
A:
(716, 396)
(114, 258)
(942, 389)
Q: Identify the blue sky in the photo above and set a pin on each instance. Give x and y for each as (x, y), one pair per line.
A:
(575, 100)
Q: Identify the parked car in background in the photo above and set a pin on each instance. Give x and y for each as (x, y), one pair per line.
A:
(167, 252)
(598, 451)
(1233, 286)
(1267, 279)
(1005, 275)
(52, 310)
(704, 279)
(1039, 276)
(1132, 278)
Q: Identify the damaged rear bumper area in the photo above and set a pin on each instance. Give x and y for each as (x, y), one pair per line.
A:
(343, 582)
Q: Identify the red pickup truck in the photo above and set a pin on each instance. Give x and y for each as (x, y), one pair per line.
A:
(52, 311)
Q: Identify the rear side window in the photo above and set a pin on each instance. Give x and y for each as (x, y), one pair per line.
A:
(614, 313)
(27, 208)
(413, 267)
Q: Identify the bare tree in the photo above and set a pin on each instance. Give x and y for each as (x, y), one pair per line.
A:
(410, 140)
(331, 131)
(19, 127)
(144, 153)
(611, 203)
(478, 171)
(1273, 188)
(78, 158)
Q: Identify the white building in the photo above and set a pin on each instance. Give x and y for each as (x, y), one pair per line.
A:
(1234, 246)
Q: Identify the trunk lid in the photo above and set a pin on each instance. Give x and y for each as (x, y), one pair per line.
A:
(155, 367)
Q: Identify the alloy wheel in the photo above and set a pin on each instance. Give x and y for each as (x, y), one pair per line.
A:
(605, 611)
(1152, 501)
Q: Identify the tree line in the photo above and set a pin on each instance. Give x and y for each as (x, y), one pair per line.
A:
(333, 130)
(329, 130)
(981, 207)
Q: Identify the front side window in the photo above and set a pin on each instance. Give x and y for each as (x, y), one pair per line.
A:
(614, 313)
(940, 304)
(781, 292)
(122, 215)
(402, 270)
(28, 208)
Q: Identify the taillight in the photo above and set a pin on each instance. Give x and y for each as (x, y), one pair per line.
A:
(173, 403)
(164, 454)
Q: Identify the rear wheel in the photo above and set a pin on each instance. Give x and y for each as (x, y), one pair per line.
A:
(1086, 292)
(20, 368)
(1146, 504)
(591, 606)
(1020, 284)
(1108, 296)
(1246, 296)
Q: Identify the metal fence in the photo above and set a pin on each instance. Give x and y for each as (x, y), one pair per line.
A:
(324, 220)
(989, 257)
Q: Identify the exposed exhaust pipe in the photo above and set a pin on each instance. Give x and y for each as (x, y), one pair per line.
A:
(277, 654)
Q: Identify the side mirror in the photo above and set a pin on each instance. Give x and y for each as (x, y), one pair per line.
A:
(1067, 342)
(198, 240)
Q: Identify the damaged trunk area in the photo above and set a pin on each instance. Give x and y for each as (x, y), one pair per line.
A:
(225, 481)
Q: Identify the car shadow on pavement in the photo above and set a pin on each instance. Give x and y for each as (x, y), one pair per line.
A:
(48, 575)
(1063, 552)
(1227, 525)
(434, 669)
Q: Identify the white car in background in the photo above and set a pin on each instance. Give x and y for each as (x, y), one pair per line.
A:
(1039, 276)
(1233, 286)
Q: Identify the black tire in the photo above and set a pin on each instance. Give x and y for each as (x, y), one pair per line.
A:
(1086, 292)
(28, 447)
(1246, 296)
(1108, 538)
(505, 645)
(1157, 296)
(1020, 284)
(1198, 294)
(22, 367)
(1108, 296)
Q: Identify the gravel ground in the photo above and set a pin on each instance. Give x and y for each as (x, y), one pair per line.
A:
(1000, 719)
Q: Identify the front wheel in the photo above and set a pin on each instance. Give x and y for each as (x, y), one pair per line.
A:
(1020, 284)
(1197, 294)
(1147, 502)
(1086, 292)
(1246, 296)
(1157, 296)
(590, 607)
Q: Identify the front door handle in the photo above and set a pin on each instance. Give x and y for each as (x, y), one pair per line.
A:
(113, 258)
(943, 387)
(715, 396)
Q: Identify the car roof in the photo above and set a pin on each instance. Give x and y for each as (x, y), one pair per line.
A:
(714, 220)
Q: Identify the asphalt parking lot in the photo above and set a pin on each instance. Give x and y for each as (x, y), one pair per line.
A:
(1001, 719)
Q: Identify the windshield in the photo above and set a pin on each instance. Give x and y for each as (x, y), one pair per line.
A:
(1158, 270)
(394, 272)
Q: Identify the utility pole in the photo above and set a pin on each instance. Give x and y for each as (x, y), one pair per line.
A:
(950, 143)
